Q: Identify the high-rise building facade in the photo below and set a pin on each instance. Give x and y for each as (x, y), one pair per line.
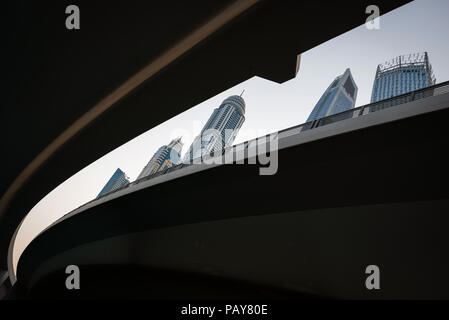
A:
(401, 75)
(165, 157)
(117, 181)
(220, 130)
(339, 96)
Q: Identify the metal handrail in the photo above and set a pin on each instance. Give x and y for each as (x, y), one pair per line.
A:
(412, 94)
(313, 124)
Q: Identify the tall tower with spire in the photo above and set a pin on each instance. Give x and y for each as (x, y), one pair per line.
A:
(220, 130)
(165, 157)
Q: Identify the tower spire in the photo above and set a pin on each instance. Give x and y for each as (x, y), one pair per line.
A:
(242, 92)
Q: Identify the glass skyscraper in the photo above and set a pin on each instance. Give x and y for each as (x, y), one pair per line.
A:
(117, 181)
(220, 130)
(401, 75)
(339, 96)
(165, 157)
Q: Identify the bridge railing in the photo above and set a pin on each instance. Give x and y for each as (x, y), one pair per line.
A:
(352, 113)
(384, 104)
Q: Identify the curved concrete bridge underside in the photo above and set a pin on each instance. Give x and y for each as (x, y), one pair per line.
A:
(370, 190)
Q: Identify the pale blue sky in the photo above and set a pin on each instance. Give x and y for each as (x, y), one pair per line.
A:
(419, 26)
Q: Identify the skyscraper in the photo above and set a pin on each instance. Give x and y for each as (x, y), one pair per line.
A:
(401, 75)
(117, 181)
(339, 96)
(220, 130)
(165, 157)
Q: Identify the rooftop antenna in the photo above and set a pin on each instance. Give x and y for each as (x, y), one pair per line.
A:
(242, 92)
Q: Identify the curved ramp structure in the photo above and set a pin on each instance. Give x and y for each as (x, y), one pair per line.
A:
(370, 188)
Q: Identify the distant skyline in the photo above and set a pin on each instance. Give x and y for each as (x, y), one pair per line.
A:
(416, 27)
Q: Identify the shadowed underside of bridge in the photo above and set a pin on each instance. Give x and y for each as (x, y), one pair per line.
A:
(56, 75)
(372, 196)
